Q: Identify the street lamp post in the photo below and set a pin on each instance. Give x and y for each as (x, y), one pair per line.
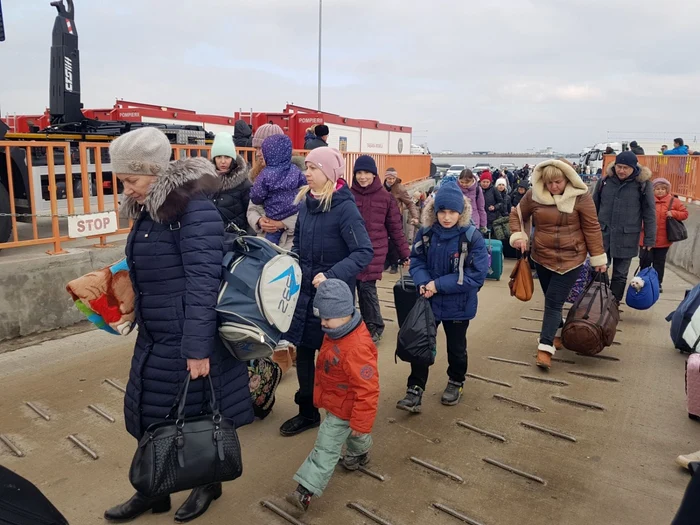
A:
(320, 41)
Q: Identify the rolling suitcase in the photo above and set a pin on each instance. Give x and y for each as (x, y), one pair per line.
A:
(405, 296)
(692, 386)
(495, 249)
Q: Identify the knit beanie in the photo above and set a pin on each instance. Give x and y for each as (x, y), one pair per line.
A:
(322, 130)
(502, 181)
(391, 172)
(329, 160)
(333, 300)
(486, 175)
(627, 158)
(658, 181)
(365, 163)
(144, 151)
(264, 131)
(449, 197)
(223, 146)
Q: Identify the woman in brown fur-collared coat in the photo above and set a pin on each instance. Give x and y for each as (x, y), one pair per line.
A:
(566, 231)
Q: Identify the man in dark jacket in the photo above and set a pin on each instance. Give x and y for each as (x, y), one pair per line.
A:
(242, 134)
(625, 202)
(321, 138)
(636, 148)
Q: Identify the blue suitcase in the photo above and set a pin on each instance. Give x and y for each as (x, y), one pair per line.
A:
(495, 249)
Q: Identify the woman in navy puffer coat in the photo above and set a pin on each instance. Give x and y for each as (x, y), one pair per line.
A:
(174, 251)
(332, 243)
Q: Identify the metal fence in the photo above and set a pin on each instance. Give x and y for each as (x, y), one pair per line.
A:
(54, 181)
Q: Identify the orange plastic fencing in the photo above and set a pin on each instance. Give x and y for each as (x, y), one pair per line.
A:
(67, 180)
(682, 171)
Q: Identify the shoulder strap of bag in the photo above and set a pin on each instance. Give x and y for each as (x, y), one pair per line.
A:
(670, 203)
(464, 239)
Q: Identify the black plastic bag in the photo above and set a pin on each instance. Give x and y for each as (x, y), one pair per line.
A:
(417, 339)
(21, 503)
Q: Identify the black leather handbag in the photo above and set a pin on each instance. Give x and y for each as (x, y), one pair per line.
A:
(184, 453)
(675, 229)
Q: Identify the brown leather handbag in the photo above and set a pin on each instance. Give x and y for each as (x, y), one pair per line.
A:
(521, 283)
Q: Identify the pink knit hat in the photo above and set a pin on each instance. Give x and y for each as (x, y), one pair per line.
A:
(658, 181)
(264, 131)
(329, 160)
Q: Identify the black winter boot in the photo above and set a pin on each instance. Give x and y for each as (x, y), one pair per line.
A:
(137, 505)
(412, 401)
(308, 418)
(198, 502)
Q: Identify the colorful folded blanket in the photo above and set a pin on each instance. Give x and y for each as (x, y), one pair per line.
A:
(106, 297)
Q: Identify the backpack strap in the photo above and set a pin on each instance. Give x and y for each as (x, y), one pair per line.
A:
(464, 239)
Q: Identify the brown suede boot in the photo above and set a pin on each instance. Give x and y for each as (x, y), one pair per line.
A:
(544, 356)
(557, 343)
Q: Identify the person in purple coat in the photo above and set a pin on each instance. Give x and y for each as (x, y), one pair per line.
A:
(278, 183)
(472, 190)
(383, 222)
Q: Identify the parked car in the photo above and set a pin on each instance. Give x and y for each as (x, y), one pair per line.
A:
(508, 166)
(455, 170)
(441, 170)
(481, 166)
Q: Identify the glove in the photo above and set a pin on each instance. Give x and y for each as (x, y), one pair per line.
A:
(484, 231)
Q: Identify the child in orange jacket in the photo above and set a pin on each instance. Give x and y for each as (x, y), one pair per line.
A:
(346, 385)
(666, 206)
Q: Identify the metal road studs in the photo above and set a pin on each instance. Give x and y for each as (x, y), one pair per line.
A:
(596, 376)
(557, 382)
(514, 470)
(101, 413)
(367, 472)
(368, 514)
(40, 412)
(455, 514)
(82, 446)
(509, 361)
(581, 404)
(9, 444)
(518, 403)
(281, 513)
(552, 432)
(526, 330)
(603, 357)
(432, 467)
(115, 385)
(487, 380)
(481, 431)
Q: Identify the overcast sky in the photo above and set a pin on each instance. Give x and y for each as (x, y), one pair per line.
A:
(506, 75)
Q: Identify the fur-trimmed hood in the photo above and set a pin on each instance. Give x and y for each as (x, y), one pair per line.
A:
(172, 191)
(644, 173)
(430, 216)
(565, 203)
(236, 176)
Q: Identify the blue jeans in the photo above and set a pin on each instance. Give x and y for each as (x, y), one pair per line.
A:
(556, 288)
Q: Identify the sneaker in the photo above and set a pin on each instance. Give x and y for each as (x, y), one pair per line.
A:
(544, 359)
(452, 393)
(684, 461)
(394, 270)
(412, 401)
(300, 498)
(355, 462)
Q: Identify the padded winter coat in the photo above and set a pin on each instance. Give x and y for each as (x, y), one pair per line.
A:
(382, 221)
(440, 263)
(492, 197)
(566, 226)
(680, 213)
(175, 250)
(334, 243)
(347, 379)
(476, 198)
(233, 195)
(403, 199)
(624, 208)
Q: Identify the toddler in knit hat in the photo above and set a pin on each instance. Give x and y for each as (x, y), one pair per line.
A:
(347, 387)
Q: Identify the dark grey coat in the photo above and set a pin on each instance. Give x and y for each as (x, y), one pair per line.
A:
(623, 206)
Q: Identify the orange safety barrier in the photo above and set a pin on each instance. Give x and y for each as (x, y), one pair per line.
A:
(68, 180)
(682, 171)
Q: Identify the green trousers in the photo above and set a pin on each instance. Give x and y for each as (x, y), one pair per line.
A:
(315, 473)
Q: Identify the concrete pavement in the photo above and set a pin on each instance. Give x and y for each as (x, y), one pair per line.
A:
(620, 469)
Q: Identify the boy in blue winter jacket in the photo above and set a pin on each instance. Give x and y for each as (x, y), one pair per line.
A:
(449, 263)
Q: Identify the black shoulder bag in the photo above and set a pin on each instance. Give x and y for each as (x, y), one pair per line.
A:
(675, 229)
(181, 454)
